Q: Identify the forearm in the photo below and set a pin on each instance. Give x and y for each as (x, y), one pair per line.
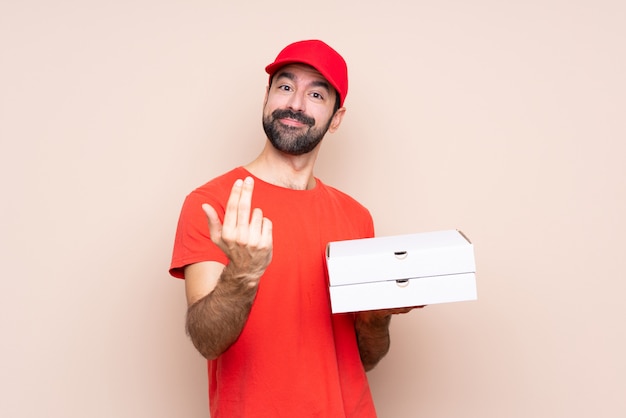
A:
(215, 321)
(372, 332)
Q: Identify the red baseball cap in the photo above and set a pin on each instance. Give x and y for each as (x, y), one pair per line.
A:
(318, 55)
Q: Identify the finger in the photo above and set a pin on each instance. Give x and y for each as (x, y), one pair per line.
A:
(399, 311)
(266, 233)
(230, 215)
(256, 225)
(215, 226)
(245, 203)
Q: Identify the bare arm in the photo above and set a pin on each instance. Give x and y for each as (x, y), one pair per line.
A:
(219, 297)
(215, 320)
(372, 332)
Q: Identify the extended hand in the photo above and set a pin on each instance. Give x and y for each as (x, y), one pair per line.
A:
(246, 240)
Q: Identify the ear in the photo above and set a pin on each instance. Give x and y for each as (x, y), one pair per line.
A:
(336, 120)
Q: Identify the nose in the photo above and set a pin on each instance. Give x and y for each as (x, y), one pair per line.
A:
(297, 101)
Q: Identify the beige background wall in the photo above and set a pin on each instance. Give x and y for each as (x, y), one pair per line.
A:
(503, 119)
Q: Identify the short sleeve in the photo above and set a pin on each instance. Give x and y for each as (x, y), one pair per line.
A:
(193, 243)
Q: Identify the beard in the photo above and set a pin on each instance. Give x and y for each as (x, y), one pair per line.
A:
(293, 140)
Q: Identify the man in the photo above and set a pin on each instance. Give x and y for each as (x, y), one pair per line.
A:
(255, 278)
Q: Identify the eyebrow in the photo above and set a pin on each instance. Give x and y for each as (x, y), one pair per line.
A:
(292, 77)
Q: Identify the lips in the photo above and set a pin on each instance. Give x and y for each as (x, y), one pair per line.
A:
(291, 123)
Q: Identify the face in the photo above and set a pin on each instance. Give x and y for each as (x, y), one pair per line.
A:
(299, 109)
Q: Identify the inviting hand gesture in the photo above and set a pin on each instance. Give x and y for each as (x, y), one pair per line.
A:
(246, 240)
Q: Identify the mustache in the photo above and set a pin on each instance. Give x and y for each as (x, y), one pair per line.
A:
(290, 114)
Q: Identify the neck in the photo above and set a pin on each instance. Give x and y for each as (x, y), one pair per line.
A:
(290, 171)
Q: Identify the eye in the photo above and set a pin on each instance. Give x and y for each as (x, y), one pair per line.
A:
(317, 95)
(284, 87)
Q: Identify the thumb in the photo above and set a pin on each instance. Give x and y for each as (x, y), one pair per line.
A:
(215, 226)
